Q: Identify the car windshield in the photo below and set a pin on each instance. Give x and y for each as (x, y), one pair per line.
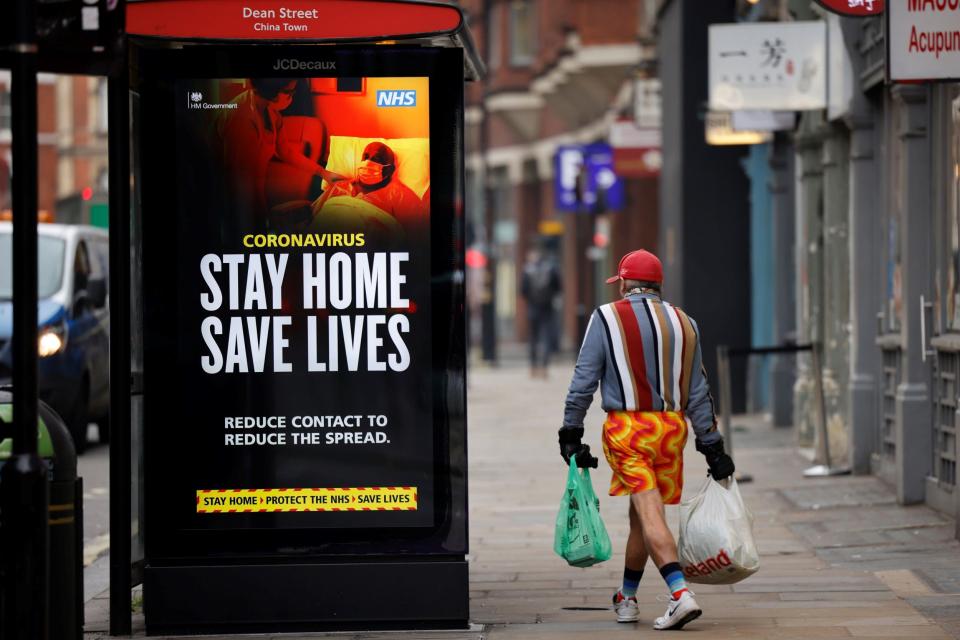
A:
(49, 265)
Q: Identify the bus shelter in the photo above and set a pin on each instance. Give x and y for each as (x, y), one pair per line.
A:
(295, 330)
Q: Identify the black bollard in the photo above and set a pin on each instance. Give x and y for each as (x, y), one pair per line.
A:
(23, 538)
(66, 531)
(62, 601)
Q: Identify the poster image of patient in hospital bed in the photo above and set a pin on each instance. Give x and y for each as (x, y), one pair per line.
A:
(389, 178)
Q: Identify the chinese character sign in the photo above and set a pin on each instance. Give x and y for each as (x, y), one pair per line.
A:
(771, 65)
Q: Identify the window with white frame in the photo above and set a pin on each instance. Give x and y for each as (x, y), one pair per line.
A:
(495, 36)
(523, 32)
(947, 272)
(648, 18)
(102, 102)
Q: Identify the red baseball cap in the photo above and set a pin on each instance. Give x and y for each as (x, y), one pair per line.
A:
(639, 265)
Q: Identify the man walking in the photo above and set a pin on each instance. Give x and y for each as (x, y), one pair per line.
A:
(540, 286)
(645, 354)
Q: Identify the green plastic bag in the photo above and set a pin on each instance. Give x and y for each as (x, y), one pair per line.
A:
(580, 537)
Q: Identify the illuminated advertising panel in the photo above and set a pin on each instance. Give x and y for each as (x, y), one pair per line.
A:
(311, 331)
(298, 269)
(301, 340)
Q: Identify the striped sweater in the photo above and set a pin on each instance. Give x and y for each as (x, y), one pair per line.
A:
(645, 354)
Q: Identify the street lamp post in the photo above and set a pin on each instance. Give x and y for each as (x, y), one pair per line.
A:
(23, 479)
(488, 309)
(582, 224)
(120, 376)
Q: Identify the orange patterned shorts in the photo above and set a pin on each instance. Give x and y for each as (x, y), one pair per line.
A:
(645, 451)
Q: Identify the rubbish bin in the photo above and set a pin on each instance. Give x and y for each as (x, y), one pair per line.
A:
(65, 519)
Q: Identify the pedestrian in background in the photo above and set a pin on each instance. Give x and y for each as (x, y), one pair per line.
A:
(645, 354)
(540, 285)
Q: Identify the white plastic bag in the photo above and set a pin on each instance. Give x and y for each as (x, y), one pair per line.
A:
(716, 535)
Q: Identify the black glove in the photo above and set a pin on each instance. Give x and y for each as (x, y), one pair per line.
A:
(721, 465)
(570, 445)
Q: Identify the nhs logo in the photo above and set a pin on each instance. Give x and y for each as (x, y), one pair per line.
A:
(395, 98)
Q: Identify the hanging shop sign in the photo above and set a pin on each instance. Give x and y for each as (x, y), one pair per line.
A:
(647, 103)
(636, 150)
(842, 81)
(585, 180)
(853, 8)
(923, 39)
(768, 65)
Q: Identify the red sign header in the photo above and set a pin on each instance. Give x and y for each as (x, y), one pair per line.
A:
(369, 20)
(855, 8)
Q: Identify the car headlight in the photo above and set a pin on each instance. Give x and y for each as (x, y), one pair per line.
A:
(51, 341)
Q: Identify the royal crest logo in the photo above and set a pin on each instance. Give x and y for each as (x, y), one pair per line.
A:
(195, 102)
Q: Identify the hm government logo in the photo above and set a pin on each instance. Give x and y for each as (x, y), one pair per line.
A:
(396, 98)
(195, 101)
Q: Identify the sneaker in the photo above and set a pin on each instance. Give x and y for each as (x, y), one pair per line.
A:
(626, 608)
(679, 612)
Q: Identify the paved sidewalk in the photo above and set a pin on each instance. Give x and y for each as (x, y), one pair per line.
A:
(840, 559)
(837, 552)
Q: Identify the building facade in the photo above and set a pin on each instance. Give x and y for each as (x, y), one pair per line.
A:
(863, 247)
(878, 247)
(705, 204)
(72, 123)
(560, 72)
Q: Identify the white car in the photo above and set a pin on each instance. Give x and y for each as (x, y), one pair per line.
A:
(73, 323)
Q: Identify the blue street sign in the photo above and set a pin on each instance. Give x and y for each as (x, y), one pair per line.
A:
(591, 167)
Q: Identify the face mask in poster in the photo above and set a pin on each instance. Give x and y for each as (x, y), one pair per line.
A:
(304, 289)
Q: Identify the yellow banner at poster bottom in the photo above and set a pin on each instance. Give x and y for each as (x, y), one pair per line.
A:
(296, 500)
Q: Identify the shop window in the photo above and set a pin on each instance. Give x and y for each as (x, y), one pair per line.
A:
(888, 403)
(474, 203)
(523, 32)
(4, 109)
(82, 267)
(648, 18)
(945, 141)
(951, 296)
(504, 248)
(495, 36)
(102, 102)
(502, 193)
(893, 283)
(947, 372)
